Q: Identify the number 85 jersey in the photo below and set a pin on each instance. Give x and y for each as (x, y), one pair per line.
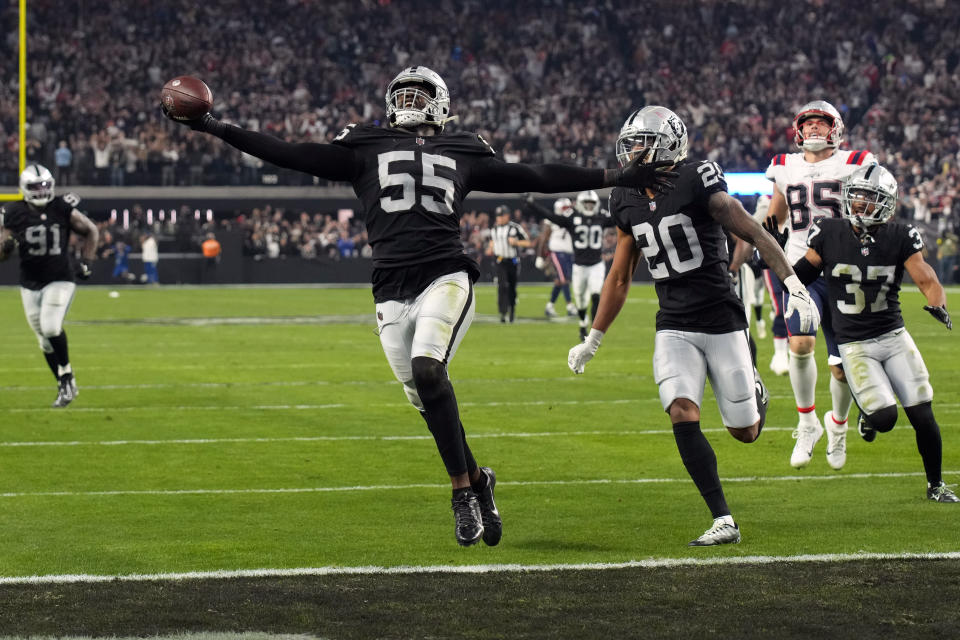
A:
(685, 250)
(812, 190)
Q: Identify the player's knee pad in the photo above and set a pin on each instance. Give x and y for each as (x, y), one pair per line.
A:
(883, 420)
(921, 416)
(410, 389)
(429, 377)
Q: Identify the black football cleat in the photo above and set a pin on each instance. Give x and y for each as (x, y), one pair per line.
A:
(492, 525)
(66, 391)
(941, 493)
(866, 432)
(466, 513)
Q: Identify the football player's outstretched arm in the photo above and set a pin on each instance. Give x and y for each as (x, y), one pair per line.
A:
(496, 176)
(327, 161)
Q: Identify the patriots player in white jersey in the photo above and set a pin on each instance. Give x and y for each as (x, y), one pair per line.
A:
(806, 188)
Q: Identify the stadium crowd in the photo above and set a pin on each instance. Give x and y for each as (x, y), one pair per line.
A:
(544, 82)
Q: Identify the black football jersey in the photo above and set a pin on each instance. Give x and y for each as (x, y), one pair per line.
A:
(43, 236)
(863, 274)
(685, 250)
(586, 232)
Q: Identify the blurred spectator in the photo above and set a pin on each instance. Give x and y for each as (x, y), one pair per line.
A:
(63, 158)
(151, 256)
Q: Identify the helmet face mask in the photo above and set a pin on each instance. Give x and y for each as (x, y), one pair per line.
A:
(869, 196)
(827, 112)
(417, 96)
(37, 183)
(656, 128)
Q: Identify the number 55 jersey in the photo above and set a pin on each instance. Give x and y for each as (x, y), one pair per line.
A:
(812, 190)
(863, 273)
(685, 250)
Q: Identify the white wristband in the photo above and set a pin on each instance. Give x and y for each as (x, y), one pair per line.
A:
(793, 284)
(594, 338)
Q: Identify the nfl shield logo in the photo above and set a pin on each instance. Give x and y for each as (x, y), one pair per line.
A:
(420, 141)
(865, 250)
(653, 206)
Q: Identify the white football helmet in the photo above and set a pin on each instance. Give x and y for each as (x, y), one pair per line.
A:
(588, 203)
(869, 196)
(562, 207)
(657, 128)
(417, 96)
(36, 183)
(821, 109)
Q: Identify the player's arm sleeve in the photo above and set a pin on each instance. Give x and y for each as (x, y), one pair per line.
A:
(328, 161)
(496, 176)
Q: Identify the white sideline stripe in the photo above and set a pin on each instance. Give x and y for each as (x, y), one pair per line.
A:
(539, 434)
(394, 487)
(652, 563)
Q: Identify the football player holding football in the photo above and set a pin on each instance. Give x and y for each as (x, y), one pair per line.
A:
(411, 178)
(586, 227)
(39, 228)
(701, 324)
(863, 257)
(806, 188)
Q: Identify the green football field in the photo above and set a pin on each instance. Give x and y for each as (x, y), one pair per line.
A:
(231, 429)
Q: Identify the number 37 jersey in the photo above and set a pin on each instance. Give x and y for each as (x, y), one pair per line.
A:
(863, 275)
(685, 250)
(812, 190)
(43, 237)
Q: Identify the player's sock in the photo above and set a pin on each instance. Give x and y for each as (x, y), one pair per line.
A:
(440, 410)
(803, 379)
(842, 399)
(781, 346)
(60, 351)
(929, 443)
(701, 463)
(51, 359)
(758, 312)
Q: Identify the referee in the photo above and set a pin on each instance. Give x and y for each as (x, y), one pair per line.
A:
(505, 239)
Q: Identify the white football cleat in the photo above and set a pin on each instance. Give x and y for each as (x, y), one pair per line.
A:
(572, 309)
(807, 434)
(723, 531)
(836, 441)
(549, 311)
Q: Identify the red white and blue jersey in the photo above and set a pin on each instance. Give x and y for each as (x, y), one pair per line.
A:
(812, 190)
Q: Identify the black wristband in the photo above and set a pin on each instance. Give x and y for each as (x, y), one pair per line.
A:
(806, 271)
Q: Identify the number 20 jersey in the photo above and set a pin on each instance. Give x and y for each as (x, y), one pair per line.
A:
(43, 237)
(812, 190)
(685, 250)
(863, 276)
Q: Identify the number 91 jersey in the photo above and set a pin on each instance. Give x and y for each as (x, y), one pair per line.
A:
(43, 236)
(685, 250)
(863, 275)
(812, 190)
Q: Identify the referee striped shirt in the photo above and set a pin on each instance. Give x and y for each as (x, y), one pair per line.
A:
(500, 236)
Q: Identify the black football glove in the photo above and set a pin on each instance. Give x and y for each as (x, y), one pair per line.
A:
(773, 228)
(83, 270)
(206, 123)
(940, 313)
(643, 176)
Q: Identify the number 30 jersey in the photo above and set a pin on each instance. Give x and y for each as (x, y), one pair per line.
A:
(43, 237)
(812, 190)
(685, 250)
(863, 275)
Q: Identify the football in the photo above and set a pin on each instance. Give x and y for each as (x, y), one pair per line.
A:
(186, 98)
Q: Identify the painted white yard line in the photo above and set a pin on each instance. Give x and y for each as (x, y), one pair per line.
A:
(402, 487)
(267, 440)
(651, 563)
